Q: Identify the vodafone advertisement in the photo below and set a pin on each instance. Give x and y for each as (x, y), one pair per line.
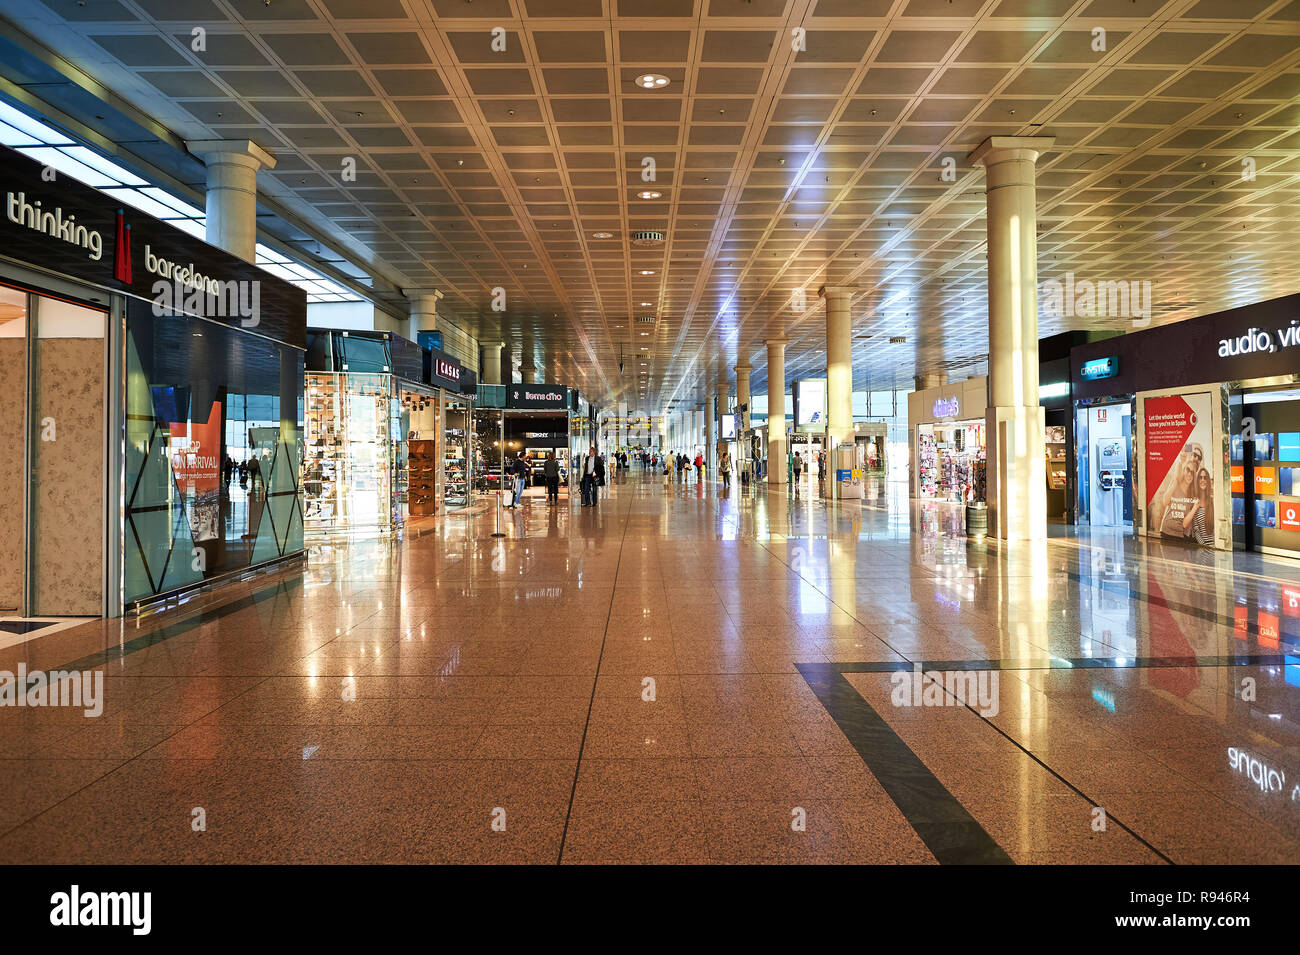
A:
(196, 462)
(1180, 468)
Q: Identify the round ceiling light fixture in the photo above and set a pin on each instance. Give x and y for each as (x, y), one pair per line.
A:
(652, 81)
(602, 235)
(649, 194)
(647, 271)
(647, 238)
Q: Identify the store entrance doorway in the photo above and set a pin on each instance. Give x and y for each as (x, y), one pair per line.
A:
(1104, 442)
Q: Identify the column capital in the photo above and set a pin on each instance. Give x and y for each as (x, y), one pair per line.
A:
(779, 342)
(999, 148)
(422, 292)
(743, 366)
(244, 152)
(826, 291)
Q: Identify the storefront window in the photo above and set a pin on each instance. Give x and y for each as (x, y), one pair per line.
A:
(213, 441)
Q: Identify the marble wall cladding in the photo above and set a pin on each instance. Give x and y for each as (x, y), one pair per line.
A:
(13, 392)
(68, 500)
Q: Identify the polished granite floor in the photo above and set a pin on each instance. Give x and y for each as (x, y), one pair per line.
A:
(683, 674)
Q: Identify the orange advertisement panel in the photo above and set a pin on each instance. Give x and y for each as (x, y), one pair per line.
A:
(1238, 479)
(1265, 480)
(1288, 517)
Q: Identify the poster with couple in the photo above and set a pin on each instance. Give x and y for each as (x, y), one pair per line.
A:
(1180, 467)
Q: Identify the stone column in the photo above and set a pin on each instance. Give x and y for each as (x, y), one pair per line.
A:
(423, 304)
(232, 167)
(710, 415)
(839, 368)
(492, 363)
(776, 451)
(742, 394)
(1016, 473)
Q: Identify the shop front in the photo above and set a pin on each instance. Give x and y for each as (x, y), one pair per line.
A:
(948, 441)
(150, 405)
(535, 422)
(1209, 449)
(386, 436)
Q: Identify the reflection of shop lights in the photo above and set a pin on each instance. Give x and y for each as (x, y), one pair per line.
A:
(1057, 389)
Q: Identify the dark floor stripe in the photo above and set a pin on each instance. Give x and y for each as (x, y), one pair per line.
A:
(595, 683)
(1072, 663)
(104, 657)
(950, 832)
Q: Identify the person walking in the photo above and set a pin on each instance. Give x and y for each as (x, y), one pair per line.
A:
(589, 478)
(600, 478)
(724, 468)
(798, 468)
(519, 474)
(551, 470)
(699, 467)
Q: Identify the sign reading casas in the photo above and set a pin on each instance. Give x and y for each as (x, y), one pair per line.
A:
(539, 397)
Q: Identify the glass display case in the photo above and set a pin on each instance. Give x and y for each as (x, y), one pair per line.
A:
(349, 461)
(457, 465)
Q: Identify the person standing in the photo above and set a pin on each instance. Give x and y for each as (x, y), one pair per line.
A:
(699, 467)
(798, 467)
(589, 478)
(724, 467)
(600, 479)
(551, 470)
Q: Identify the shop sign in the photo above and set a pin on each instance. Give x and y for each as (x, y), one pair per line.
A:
(1265, 481)
(949, 407)
(1261, 341)
(1099, 368)
(446, 369)
(70, 228)
(539, 397)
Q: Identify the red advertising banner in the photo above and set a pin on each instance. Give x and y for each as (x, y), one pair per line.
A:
(196, 462)
(1179, 482)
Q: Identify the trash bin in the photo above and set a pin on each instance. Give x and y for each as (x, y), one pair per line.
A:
(977, 519)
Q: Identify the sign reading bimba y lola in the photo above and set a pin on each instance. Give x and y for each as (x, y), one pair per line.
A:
(56, 223)
(538, 397)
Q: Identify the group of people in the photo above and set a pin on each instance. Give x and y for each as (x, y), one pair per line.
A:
(521, 471)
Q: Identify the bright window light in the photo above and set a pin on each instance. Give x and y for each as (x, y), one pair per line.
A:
(58, 159)
(31, 127)
(47, 146)
(96, 161)
(16, 137)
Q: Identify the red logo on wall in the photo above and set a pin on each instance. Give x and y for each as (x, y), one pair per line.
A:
(122, 253)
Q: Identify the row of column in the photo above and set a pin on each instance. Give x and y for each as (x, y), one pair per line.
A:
(1014, 422)
(1014, 425)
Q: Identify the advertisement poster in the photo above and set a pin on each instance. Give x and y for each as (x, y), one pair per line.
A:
(1179, 481)
(196, 462)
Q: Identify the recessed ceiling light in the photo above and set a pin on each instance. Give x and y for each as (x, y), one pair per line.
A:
(647, 271)
(649, 194)
(652, 81)
(645, 304)
(602, 235)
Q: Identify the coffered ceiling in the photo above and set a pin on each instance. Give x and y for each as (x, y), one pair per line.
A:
(796, 143)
